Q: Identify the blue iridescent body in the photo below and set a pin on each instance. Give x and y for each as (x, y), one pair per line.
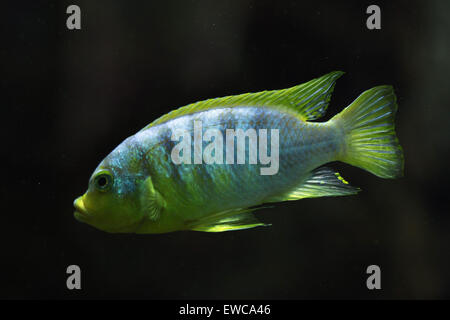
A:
(302, 147)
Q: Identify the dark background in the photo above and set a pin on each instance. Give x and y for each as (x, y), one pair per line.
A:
(70, 97)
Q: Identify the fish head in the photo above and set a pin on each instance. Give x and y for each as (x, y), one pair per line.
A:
(111, 202)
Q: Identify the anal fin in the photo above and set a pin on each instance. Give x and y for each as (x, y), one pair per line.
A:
(322, 182)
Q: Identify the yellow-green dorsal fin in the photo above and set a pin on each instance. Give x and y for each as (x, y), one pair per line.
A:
(321, 182)
(309, 100)
(231, 220)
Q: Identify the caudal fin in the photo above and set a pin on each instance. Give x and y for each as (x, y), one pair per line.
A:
(369, 133)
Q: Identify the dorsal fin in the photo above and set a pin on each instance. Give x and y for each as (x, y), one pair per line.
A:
(309, 100)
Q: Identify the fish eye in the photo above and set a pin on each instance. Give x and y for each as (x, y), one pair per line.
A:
(103, 181)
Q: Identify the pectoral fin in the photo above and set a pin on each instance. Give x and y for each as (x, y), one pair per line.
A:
(151, 200)
(237, 219)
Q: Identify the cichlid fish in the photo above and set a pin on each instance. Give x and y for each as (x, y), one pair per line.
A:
(141, 188)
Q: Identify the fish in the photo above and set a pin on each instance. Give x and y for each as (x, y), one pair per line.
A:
(177, 173)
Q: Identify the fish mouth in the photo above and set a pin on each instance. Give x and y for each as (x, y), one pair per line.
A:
(80, 210)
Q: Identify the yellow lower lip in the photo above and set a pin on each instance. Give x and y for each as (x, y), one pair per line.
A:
(80, 209)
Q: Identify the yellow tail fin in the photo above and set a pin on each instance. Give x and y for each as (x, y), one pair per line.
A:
(370, 140)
